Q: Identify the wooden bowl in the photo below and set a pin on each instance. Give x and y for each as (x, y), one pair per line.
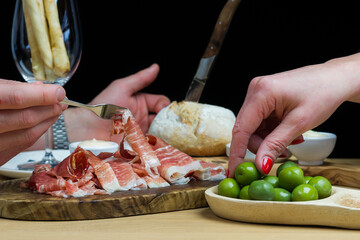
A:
(341, 209)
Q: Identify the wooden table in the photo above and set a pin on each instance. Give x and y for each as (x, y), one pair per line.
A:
(189, 224)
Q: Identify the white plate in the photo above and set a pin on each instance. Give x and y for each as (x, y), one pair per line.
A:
(341, 209)
(10, 168)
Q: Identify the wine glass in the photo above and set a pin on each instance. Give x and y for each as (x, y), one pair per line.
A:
(22, 48)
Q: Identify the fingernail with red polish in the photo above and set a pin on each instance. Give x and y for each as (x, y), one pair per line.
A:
(266, 165)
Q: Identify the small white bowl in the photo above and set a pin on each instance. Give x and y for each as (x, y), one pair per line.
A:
(249, 155)
(95, 146)
(314, 149)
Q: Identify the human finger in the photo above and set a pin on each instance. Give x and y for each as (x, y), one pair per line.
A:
(151, 118)
(156, 102)
(287, 132)
(139, 80)
(256, 140)
(5, 81)
(23, 95)
(14, 142)
(250, 116)
(11, 120)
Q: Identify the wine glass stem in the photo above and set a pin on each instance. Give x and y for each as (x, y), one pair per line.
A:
(48, 157)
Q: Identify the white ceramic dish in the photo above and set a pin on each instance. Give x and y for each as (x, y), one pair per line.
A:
(10, 169)
(341, 209)
(96, 146)
(314, 149)
(249, 155)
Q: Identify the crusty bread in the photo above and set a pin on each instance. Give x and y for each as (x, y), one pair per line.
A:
(194, 128)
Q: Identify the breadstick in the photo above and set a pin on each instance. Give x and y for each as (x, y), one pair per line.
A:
(60, 57)
(36, 61)
(39, 27)
(50, 75)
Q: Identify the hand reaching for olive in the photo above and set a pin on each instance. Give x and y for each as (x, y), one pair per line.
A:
(278, 108)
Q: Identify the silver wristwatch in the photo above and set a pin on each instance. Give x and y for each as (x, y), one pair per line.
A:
(59, 134)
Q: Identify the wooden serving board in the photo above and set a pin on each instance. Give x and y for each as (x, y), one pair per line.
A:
(24, 204)
(340, 172)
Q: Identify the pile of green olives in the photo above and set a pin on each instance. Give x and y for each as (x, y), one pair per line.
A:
(289, 184)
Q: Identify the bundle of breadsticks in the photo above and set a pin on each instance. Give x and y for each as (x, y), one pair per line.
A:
(47, 47)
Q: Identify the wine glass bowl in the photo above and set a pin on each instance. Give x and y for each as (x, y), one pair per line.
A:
(70, 26)
(26, 51)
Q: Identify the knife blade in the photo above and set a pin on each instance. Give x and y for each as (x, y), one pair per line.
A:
(212, 50)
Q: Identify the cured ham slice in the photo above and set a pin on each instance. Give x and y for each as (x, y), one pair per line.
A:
(141, 162)
(136, 140)
(141, 184)
(176, 166)
(74, 166)
(210, 171)
(103, 172)
(80, 174)
(157, 182)
(42, 182)
(91, 188)
(46, 182)
(85, 190)
(126, 176)
(151, 182)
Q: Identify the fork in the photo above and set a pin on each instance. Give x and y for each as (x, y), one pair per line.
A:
(105, 111)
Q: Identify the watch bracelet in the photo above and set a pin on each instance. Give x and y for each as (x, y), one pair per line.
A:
(59, 134)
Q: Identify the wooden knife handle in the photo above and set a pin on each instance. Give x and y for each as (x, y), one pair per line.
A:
(221, 28)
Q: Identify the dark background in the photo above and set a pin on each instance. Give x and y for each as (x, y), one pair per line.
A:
(265, 37)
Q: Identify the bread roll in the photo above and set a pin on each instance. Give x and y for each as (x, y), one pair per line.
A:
(194, 128)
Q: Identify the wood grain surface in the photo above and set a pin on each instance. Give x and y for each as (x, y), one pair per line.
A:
(19, 203)
(340, 172)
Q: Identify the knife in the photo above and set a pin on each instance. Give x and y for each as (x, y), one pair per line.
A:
(212, 50)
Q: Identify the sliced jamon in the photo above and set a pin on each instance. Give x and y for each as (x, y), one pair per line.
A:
(125, 175)
(141, 184)
(74, 166)
(151, 182)
(176, 166)
(103, 172)
(88, 189)
(210, 171)
(91, 188)
(141, 162)
(43, 182)
(136, 141)
(157, 182)
(66, 179)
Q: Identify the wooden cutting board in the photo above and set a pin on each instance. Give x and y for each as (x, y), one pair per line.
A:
(340, 172)
(19, 203)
